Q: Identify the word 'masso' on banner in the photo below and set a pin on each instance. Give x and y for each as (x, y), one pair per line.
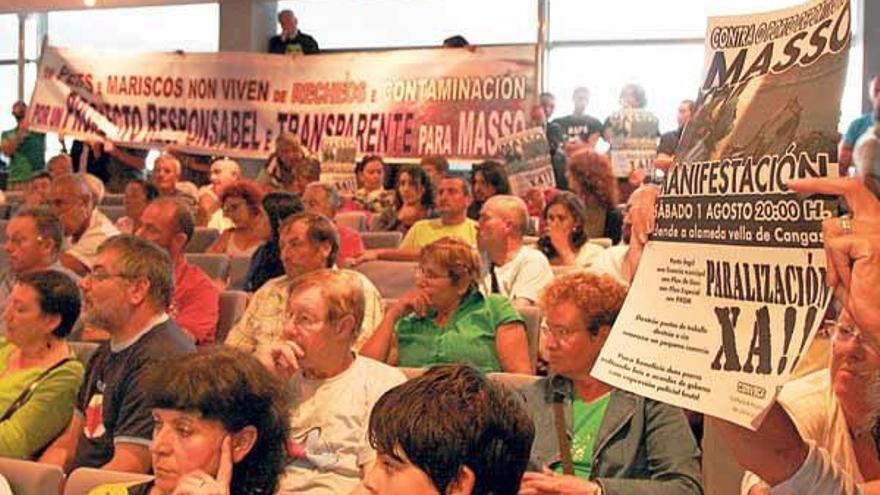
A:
(731, 289)
(398, 103)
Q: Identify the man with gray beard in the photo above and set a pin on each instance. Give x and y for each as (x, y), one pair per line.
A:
(126, 293)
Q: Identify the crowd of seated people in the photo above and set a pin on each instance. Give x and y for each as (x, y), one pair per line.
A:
(305, 393)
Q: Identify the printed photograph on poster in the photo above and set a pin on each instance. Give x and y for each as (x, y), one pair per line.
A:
(730, 290)
(338, 157)
(527, 156)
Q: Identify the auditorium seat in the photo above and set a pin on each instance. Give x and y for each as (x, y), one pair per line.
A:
(3, 224)
(83, 350)
(356, 220)
(5, 211)
(14, 197)
(232, 306)
(238, 270)
(112, 199)
(564, 269)
(84, 480)
(379, 240)
(215, 265)
(533, 316)
(201, 239)
(113, 212)
(392, 278)
(31, 478)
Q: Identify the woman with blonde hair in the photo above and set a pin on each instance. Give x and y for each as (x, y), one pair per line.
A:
(445, 318)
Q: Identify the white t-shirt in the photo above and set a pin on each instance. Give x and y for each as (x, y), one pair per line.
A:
(329, 419)
(524, 276)
(813, 407)
(85, 250)
(610, 262)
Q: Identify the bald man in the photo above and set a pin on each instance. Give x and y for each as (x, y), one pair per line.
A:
(513, 270)
(72, 201)
(223, 172)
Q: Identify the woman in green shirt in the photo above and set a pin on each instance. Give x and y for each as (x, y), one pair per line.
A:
(39, 376)
(616, 442)
(445, 318)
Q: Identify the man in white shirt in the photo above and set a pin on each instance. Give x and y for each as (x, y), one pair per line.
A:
(513, 270)
(223, 172)
(334, 388)
(72, 201)
(308, 242)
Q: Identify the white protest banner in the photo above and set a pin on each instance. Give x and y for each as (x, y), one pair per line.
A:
(731, 289)
(338, 155)
(396, 103)
(527, 156)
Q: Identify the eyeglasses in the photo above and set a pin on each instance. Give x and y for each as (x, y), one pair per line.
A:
(558, 333)
(99, 275)
(844, 332)
(424, 275)
(304, 321)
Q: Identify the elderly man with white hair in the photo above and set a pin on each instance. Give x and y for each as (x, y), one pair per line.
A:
(323, 199)
(72, 200)
(512, 269)
(224, 171)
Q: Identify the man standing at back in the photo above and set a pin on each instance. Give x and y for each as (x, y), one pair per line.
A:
(126, 293)
(579, 124)
(26, 149)
(291, 39)
(195, 305)
(859, 126)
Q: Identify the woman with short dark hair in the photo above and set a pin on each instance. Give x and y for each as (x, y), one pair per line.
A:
(220, 426)
(565, 241)
(39, 376)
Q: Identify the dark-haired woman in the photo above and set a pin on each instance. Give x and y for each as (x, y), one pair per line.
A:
(487, 179)
(220, 427)
(413, 201)
(371, 195)
(565, 241)
(39, 376)
(591, 178)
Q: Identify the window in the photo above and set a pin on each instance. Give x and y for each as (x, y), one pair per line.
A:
(652, 44)
(192, 28)
(347, 24)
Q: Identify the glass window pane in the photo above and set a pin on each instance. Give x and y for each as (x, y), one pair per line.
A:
(8, 89)
(32, 40)
(399, 23)
(669, 73)
(8, 37)
(645, 19)
(192, 28)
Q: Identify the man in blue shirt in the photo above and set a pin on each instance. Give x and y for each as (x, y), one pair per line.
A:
(859, 126)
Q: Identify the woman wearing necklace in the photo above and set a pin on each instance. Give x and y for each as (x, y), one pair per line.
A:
(615, 442)
(39, 377)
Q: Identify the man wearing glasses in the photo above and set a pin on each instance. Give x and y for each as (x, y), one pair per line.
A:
(33, 241)
(334, 388)
(835, 408)
(126, 293)
(72, 202)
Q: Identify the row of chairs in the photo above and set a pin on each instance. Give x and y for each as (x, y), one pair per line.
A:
(33, 478)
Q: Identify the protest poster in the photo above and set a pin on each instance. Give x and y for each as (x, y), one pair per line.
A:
(401, 104)
(527, 156)
(633, 134)
(338, 155)
(731, 289)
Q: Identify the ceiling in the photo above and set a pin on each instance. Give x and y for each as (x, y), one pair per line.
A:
(7, 6)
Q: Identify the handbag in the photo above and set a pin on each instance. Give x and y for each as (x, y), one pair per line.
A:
(26, 393)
